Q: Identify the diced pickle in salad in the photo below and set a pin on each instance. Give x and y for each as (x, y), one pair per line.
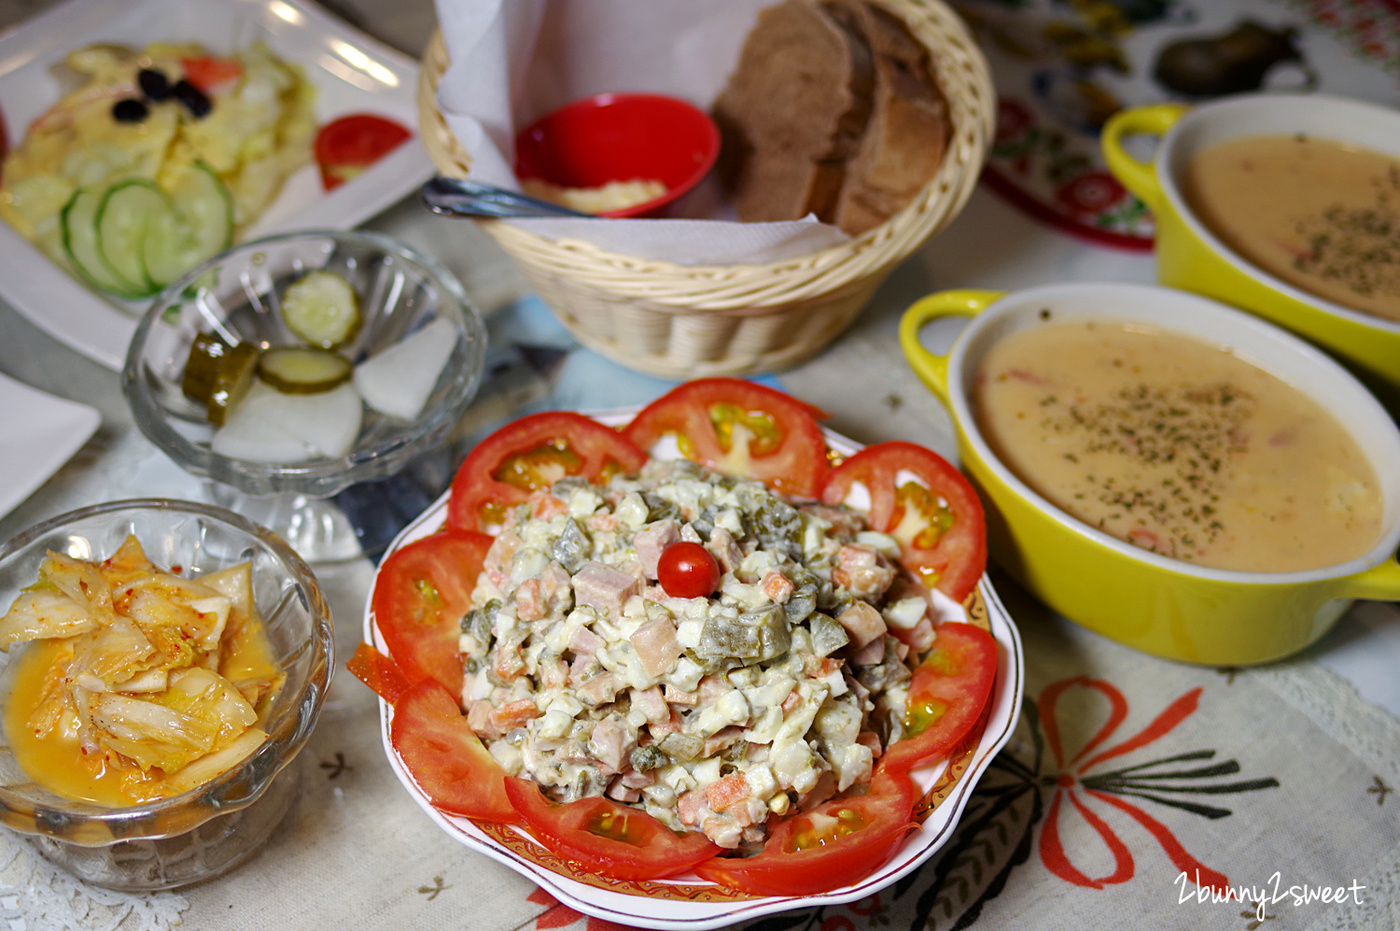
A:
(710, 713)
(135, 684)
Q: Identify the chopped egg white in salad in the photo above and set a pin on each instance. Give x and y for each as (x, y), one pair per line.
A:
(773, 694)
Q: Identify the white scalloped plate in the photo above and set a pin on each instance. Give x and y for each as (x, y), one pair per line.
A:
(351, 72)
(688, 902)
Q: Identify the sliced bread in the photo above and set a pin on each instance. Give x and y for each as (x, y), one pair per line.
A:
(800, 97)
(832, 110)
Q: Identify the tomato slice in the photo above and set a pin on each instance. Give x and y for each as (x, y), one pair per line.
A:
(617, 840)
(378, 672)
(740, 428)
(532, 453)
(448, 761)
(209, 73)
(347, 146)
(833, 845)
(947, 694)
(918, 497)
(419, 597)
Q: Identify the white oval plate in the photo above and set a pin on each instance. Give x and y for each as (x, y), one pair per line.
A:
(687, 902)
(351, 72)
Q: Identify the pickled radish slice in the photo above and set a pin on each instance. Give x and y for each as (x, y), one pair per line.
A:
(398, 381)
(270, 426)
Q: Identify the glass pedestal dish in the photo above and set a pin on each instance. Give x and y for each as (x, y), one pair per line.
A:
(211, 829)
(236, 296)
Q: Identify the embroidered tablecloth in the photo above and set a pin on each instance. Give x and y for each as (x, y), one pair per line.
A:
(1062, 69)
(1135, 792)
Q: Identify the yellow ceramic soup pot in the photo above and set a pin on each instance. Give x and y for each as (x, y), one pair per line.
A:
(1159, 605)
(1191, 257)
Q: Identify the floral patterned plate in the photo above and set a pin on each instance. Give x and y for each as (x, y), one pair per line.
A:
(691, 903)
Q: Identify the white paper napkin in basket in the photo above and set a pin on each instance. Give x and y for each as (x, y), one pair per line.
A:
(513, 62)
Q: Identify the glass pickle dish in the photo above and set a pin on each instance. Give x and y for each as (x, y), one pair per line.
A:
(209, 830)
(237, 297)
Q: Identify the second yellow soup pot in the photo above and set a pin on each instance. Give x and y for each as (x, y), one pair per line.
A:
(1191, 257)
(1162, 606)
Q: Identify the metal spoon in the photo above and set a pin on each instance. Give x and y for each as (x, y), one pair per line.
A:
(458, 197)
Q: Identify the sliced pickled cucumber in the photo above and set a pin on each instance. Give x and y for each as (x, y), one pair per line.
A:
(322, 309)
(303, 370)
(232, 381)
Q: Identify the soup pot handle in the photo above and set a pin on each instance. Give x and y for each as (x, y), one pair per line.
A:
(932, 368)
(1379, 583)
(1136, 175)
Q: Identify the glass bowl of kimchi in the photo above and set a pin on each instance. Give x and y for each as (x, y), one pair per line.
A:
(163, 663)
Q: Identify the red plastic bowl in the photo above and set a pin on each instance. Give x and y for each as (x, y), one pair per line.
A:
(620, 137)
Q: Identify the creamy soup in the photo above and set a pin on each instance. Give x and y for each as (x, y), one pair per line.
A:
(1320, 215)
(1177, 447)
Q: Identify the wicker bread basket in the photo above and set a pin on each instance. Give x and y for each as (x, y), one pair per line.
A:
(688, 321)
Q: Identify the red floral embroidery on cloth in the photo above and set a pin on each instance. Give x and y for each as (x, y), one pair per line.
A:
(1065, 790)
(1075, 785)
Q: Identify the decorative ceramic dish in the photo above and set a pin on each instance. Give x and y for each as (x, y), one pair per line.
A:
(689, 902)
(350, 71)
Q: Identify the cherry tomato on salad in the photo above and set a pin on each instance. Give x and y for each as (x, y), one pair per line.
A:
(835, 844)
(447, 760)
(532, 453)
(347, 146)
(615, 839)
(918, 497)
(947, 695)
(687, 570)
(740, 428)
(378, 672)
(419, 597)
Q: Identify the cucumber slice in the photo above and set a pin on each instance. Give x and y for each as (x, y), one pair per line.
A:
(169, 249)
(322, 309)
(200, 226)
(303, 370)
(129, 210)
(79, 223)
